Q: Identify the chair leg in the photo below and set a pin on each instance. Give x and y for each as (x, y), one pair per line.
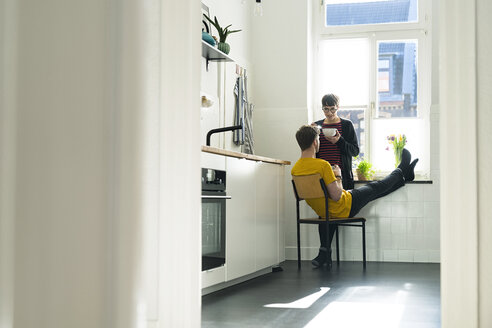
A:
(298, 245)
(338, 246)
(327, 228)
(364, 243)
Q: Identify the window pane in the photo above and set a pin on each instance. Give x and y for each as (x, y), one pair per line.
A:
(397, 79)
(344, 70)
(358, 12)
(382, 155)
(357, 116)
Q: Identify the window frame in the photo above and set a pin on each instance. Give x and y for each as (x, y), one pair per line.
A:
(420, 31)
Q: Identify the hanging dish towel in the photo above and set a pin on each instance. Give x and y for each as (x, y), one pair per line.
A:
(238, 135)
(243, 115)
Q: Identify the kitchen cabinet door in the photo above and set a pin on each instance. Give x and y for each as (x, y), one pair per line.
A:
(240, 217)
(267, 209)
(282, 222)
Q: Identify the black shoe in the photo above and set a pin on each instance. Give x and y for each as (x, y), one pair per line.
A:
(410, 174)
(320, 259)
(405, 160)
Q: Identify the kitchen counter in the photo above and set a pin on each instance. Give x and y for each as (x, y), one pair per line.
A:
(230, 153)
(255, 216)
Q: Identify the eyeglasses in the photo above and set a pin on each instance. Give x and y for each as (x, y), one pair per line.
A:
(332, 109)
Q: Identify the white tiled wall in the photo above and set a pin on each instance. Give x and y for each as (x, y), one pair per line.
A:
(402, 227)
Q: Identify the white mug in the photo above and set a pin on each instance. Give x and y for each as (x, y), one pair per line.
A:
(329, 132)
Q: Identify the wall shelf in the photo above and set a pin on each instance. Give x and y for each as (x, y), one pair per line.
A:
(212, 54)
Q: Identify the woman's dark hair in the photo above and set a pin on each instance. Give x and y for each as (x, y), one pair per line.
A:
(330, 100)
(306, 135)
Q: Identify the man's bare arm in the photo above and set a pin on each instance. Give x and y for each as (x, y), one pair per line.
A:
(335, 189)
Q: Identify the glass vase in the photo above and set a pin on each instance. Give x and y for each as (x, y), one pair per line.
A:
(398, 152)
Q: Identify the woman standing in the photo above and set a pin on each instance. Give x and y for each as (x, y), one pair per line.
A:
(340, 148)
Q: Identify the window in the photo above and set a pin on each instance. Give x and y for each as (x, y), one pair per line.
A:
(360, 12)
(375, 56)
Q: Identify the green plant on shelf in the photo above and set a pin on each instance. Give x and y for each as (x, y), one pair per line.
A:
(223, 32)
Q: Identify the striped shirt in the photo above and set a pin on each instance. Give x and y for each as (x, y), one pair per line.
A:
(328, 151)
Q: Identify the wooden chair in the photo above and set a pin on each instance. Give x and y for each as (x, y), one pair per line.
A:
(313, 186)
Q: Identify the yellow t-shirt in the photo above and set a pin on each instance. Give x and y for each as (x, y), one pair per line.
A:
(307, 166)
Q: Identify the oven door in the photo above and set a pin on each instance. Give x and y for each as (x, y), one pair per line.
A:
(213, 229)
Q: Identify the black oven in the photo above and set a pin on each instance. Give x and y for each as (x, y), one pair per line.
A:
(213, 218)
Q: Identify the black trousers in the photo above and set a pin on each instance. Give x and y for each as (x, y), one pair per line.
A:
(322, 235)
(362, 196)
(374, 190)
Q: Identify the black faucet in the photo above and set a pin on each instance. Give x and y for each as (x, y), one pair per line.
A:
(227, 128)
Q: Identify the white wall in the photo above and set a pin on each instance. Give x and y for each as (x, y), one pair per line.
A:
(401, 227)
(280, 84)
(62, 155)
(466, 163)
(484, 135)
(279, 51)
(90, 127)
(179, 212)
(7, 157)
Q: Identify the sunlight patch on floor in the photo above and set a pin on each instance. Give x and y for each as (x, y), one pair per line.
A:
(302, 303)
(354, 314)
(364, 306)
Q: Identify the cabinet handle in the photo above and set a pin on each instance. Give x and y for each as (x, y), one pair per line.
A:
(216, 197)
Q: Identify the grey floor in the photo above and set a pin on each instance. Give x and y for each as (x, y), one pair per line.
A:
(385, 295)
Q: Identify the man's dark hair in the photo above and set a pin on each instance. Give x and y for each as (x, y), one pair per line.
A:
(306, 135)
(330, 100)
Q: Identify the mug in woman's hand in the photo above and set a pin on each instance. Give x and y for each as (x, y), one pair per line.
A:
(329, 132)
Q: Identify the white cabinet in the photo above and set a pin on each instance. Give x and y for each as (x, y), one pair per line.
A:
(213, 276)
(254, 217)
(253, 237)
(267, 205)
(281, 211)
(213, 161)
(240, 217)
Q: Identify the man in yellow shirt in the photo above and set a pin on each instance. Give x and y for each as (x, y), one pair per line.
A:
(342, 203)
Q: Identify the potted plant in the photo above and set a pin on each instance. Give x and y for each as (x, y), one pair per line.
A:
(364, 170)
(223, 33)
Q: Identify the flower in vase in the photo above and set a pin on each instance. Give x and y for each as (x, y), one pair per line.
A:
(398, 142)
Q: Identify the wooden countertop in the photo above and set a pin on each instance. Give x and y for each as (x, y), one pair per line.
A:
(236, 154)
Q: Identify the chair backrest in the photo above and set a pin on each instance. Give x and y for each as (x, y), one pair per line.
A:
(309, 186)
